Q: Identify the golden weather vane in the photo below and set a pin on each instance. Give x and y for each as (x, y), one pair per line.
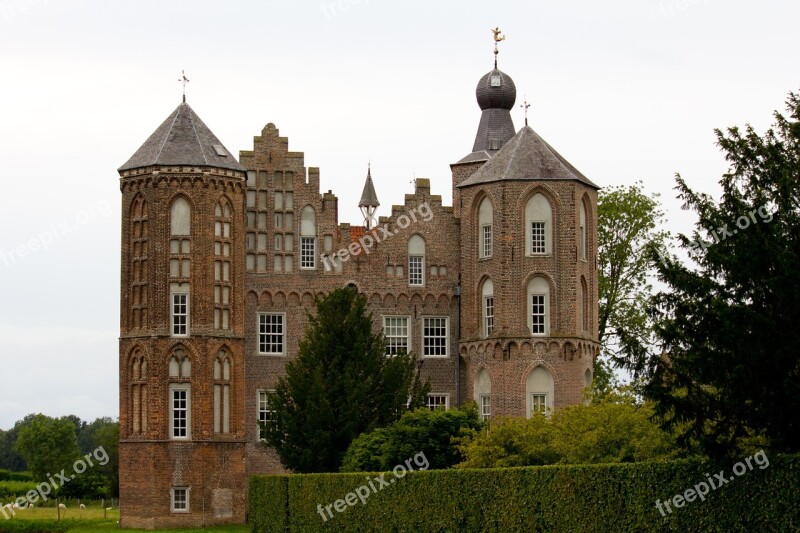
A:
(497, 38)
(184, 80)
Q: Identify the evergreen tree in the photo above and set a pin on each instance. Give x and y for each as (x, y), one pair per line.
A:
(727, 366)
(342, 384)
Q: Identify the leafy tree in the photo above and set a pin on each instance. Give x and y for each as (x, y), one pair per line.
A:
(107, 436)
(48, 445)
(9, 457)
(433, 432)
(612, 430)
(341, 385)
(628, 222)
(726, 367)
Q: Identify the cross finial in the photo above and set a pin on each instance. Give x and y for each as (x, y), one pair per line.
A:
(497, 38)
(184, 80)
(525, 105)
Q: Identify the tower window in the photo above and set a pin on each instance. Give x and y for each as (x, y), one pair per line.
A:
(537, 314)
(486, 230)
(538, 241)
(308, 252)
(495, 81)
(180, 500)
(538, 403)
(266, 416)
(180, 315)
(180, 404)
(485, 407)
(415, 270)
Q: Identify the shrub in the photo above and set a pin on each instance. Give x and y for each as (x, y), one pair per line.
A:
(616, 497)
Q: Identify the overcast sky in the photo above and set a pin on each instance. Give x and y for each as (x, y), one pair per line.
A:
(625, 90)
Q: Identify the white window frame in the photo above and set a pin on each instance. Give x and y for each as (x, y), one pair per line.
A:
(308, 262)
(485, 409)
(435, 405)
(532, 404)
(282, 334)
(488, 328)
(544, 304)
(413, 279)
(259, 410)
(187, 492)
(446, 337)
(173, 388)
(408, 332)
(486, 240)
(534, 243)
(173, 315)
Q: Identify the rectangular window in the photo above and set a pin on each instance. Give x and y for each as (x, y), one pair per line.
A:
(486, 406)
(438, 401)
(538, 403)
(487, 241)
(180, 314)
(179, 418)
(265, 414)
(538, 244)
(434, 336)
(271, 334)
(180, 500)
(416, 269)
(395, 329)
(308, 252)
(488, 315)
(537, 314)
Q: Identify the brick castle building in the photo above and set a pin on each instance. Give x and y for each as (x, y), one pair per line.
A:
(221, 259)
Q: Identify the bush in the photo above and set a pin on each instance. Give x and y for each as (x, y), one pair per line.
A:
(619, 497)
(9, 490)
(605, 432)
(7, 475)
(423, 430)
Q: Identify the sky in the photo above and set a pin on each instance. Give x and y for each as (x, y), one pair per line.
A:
(626, 90)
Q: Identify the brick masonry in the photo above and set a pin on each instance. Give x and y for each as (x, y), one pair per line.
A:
(215, 466)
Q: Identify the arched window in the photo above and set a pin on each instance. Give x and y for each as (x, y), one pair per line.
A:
(583, 304)
(416, 261)
(223, 277)
(539, 306)
(540, 391)
(138, 262)
(222, 393)
(308, 238)
(587, 378)
(180, 394)
(487, 307)
(485, 230)
(180, 248)
(483, 393)
(582, 229)
(138, 379)
(538, 226)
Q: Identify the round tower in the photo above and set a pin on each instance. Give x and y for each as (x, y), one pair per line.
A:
(528, 265)
(181, 355)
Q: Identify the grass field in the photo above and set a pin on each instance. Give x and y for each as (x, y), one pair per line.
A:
(43, 520)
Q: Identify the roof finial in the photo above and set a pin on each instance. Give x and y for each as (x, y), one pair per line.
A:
(184, 80)
(525, 105)
(497, 38)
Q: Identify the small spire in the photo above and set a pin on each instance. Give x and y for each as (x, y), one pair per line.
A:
(497, 38)
(369, 200)
(525, 105)
(184, 80)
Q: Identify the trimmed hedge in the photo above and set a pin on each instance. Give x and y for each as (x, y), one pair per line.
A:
(620, 497)
(8, 475)
(13, 489)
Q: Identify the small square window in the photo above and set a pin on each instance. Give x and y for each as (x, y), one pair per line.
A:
(438, 401)
(180, 500)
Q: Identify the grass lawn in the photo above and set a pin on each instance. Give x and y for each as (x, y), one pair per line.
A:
(89, 520)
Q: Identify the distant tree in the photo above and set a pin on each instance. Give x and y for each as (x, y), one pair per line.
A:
(9, 457)
(107, 436)
(48, 445)
(726, 367)
(612, 430)
(433, 432)
(341, 385)
(628, 229)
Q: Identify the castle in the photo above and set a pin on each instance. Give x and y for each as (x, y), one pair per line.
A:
(221, 260)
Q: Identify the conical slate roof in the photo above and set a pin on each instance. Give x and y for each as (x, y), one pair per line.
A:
(183, 139)
(526, 157)
(368, 196)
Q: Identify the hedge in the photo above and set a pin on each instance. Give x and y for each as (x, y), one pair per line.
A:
(12, 489)
(8, 475)
(620, 497)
